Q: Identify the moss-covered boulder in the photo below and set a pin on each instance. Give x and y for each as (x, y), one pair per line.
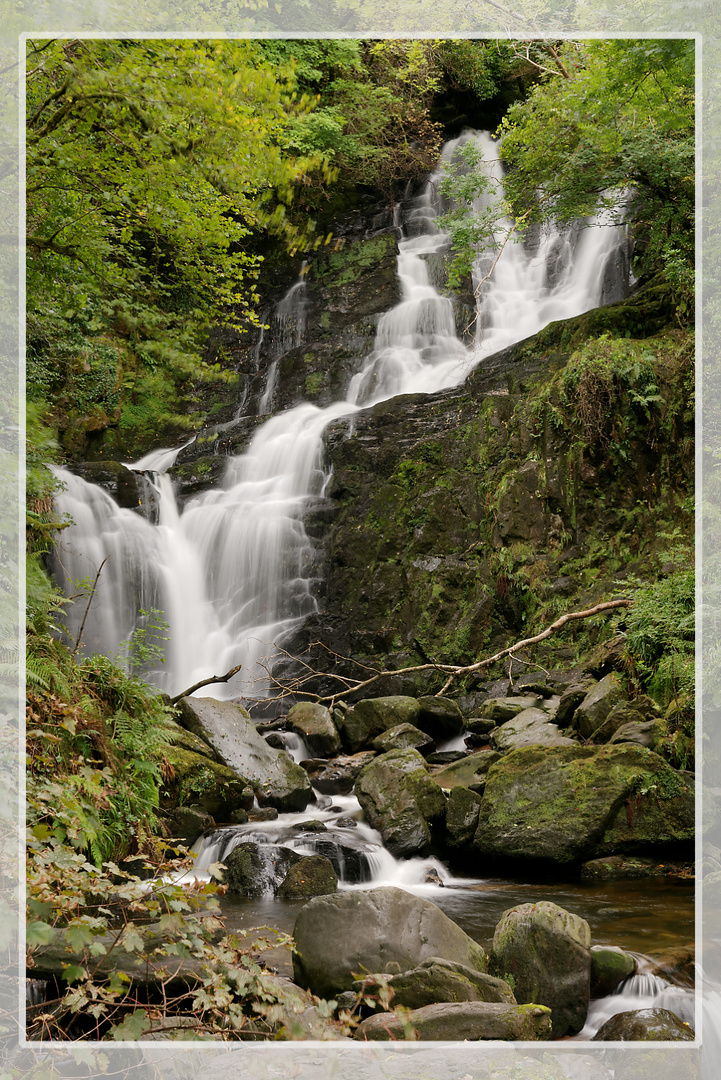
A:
(500, 710)
(311, 875)
(255, 870)
(400, 799)
(547, 950)
(568, 803)
(609, 967)
(372, 716)
(387, 930)
(313, 723)
(645, 1025)
(649, 733)
(460, 1022)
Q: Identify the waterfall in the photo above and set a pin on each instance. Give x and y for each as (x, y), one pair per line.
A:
(233, 572)
(641, 991)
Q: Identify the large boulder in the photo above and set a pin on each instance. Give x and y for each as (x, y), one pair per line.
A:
(531, 727)
(337, 777)
(548, 952)
(461, 1022)
(399, 798)
(571, 698)
(255, 870)
(502, 709)
(340, 937)
(276, 779)
(313, 723)
(645, 1025)
(568, 803)
(370, 717)
(637, 711)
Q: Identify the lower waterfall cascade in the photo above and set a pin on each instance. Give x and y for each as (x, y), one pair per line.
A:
(232, 573)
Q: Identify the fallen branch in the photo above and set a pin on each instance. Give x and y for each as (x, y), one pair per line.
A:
(206, 682)
(87, 609)
(453, 671)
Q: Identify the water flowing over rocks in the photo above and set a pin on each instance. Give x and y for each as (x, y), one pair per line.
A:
(646, 1025)
(382, 930)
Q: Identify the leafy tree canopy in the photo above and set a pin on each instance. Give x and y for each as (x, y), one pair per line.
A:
(150, 165)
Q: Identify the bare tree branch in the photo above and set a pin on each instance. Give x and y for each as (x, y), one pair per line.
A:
(87, 609)
(206, 682)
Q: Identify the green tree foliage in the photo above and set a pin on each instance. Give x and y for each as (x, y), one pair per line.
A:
(151, 167)
(622, 117)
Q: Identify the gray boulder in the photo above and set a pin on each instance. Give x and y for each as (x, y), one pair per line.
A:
(276, 779)
(437, 979)
(338, 938)
(399, 798)
(460, 1022)
(502, 709)
(572, 697)
(439, 717)
(404, 737)
(645, 1025)
(597, 704)
(313, 723)
(372, 716)
(649, 733)
(547, 950)
(338, 776)
(532, 727)
(467, 771)
(255, 870)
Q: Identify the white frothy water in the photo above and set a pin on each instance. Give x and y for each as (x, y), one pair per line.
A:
(232, 573)
(640, 991)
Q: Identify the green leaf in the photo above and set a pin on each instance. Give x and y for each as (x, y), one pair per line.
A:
(39, 933)
(132, 1027)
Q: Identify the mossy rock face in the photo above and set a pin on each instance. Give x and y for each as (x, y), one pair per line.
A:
(547, 950)
(404, 737)
(206, 783)
(312, 875)
(253, 870)
(569, 803)
(597, 704)
(400, 799)
(645, 1025)
(471, 769)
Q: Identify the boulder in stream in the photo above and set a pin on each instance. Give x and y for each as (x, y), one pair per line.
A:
(645, 1025)
(440, 717)
(404, 737)
(311, 875)
(313, 723)
(372, 716)
(276, 779)
(609, 967)
(399, 798)
(338, 938)
(531, 727)
(547, 952)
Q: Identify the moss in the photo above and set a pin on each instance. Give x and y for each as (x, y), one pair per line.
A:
(313, 383)
(346, 265)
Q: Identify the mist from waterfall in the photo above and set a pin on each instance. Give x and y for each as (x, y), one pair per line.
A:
(233, 573)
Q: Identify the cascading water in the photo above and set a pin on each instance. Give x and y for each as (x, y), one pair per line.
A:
(232, 572)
